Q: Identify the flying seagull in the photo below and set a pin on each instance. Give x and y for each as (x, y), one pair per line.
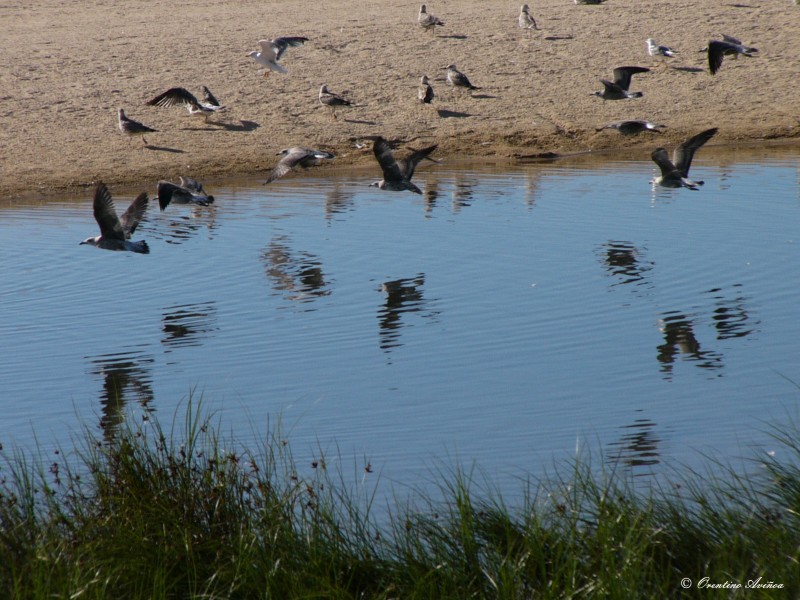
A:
(331, 100)
(272, 50)
(131, 128)
(115, 232)
(654, 49)
(189, 191)
(675, 173)
(525, 20)
(428, 21)
(296, 157)
(179, 96)
(618, 89)
(425, 91)
(457, 79)
(397, 174)
(729, 47)
(632, 127)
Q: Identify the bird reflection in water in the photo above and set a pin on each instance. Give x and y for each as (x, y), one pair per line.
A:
(625, 262)
(731, 317)
(188, 324)
(463, 191)
(680, 339)
(190, 223)
(637, 447)
(297, 275)
(126, 376)
(338, 199)
(403, 296)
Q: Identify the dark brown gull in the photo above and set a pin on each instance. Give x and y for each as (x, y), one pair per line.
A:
(397, 174)
(297, 157)
(730, 46)
(457, 79)
(618, 89)
(179, 96)
(115, 232)
(332, 100)
(675, 172)
(131, 127)
(632, 127)
(189, 191)
(425, 91)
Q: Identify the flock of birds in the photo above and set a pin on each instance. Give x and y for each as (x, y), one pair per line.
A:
(116, 231)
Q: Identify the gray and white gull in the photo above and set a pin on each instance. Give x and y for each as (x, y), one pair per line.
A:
(272, 50)
(428, 21)
(397, 174)
(130, 127)
(525, 20)
(729, 46)
(297, 156)
(332, 100)
(189, 191)
(115, 232)
(675, 172)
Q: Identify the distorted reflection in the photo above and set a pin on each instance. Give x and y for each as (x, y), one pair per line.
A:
(338, 199)
(193, 220)
(625, 262)
(637, 447)
(403, 296)
(680, 341)
(297, 275)
(730, 315)
(531, 189)
(188, 324)
(430, 194)
(126, 377)
(463, 191)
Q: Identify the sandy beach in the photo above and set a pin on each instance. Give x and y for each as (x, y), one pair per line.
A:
(66, 66)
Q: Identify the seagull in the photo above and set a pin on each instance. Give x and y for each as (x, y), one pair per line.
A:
(525, 20)
(331, 100)
(131, 128)
(618, 89)
(294, 157)
(730, 46)
(427, 21)
(457, 79)
(425, 91)
(209, 97)
(632, 127)
(397, 174)
(675, 173)
(272, 50)
(189, 191)
(179, 96)
(653, 49)
(115, 232)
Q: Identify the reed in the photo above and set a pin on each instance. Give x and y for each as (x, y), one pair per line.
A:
(185, 514)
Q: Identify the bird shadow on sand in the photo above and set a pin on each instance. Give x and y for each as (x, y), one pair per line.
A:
(452, 37)
(483, 96)
(555, 38)
(688, 69)
(359, 122)
(451, 114)
(164, 149)
(241, 126)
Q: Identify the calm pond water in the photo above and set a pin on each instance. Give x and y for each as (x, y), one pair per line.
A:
(501, 318)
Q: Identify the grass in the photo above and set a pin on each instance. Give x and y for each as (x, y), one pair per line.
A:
(180, 514)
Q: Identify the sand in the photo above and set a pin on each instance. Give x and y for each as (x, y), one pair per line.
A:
(66, 66)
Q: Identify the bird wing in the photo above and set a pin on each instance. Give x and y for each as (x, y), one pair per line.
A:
(682, 157)
(661, 158)
(191, 184)
(282, 43)
(165, 192)
(131, 217)
(622, 75)
(106, 215)
(611, 87)
(383, 154)
(286, 164)
(732, 40)
(410, 162)
(209, 97)
(175, 96)
(716, 52)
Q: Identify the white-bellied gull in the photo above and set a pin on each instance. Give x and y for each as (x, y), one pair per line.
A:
(618, 89)
(730, 46)
(297, 157)
(397, 174)
(189, 191)
(332, 100)
(425, 91)
(272, 50)
(654, 49)
(115, 232)
(179, 96)
(675, 172)
(427, 20)
(525, 20)
(632, 127)
(131, 128)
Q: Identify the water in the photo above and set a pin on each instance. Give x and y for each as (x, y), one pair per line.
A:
(504, 318)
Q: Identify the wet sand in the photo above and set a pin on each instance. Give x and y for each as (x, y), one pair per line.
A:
(67, 66)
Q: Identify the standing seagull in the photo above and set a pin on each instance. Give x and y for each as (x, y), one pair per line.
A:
(675, 173)
(131, 128)
(331, 100)
(632, 127)
(427, 21)
(618, 89)
(296, 157)
(115, 232)
(179, 96)
(397, 174)
(653, 49)
(730, 46)
(190, 191)
(425, 91)
(457, 79)
(525, 20)
(272, 50)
